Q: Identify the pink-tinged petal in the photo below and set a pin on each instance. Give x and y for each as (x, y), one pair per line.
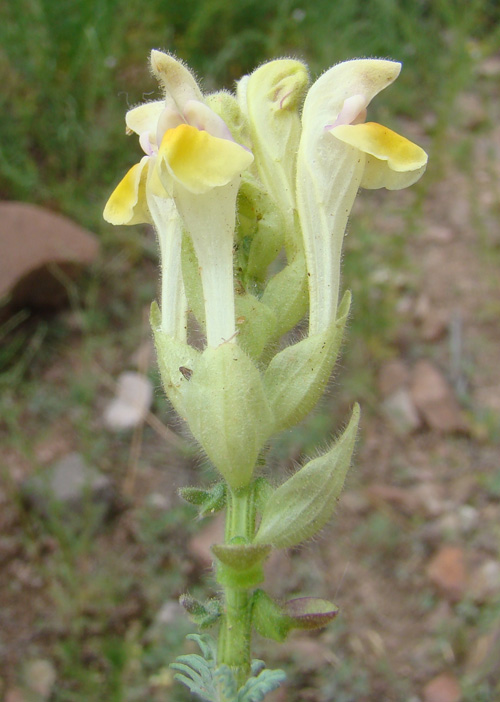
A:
(199, 161)
(144, 118)
(199, 115)
(392, 162)
(353, 111)
(326, 98)
(127, 203)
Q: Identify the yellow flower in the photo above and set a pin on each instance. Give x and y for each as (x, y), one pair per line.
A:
(189, 176)
(338, 153)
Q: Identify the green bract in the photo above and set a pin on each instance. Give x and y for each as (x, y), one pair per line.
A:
(302, 506)
(227, 411)
(297, 376)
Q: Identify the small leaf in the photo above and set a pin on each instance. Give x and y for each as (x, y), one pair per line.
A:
(300, 507)
(241, 556)
(204, 615)
(309, 612)
(211, 500)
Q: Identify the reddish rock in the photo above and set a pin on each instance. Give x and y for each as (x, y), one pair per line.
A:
(392, 376)
(443, 688)
(434, 399)
(447, 571)
(39, 250)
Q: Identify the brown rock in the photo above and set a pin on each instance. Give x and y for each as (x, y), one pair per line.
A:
(39, 250)
(401, 412)
(443, 688)
(434, 399)
(447, 571)
(484, 582)
(392, 376)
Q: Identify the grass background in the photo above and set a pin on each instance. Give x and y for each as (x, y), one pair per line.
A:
(69, 71)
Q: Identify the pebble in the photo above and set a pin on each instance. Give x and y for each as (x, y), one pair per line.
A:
(392, 376)
(131, 404)
(434, 399)
(447, 571)
(40, 677)
(70, 482)
(484, 582)
(401, 412)
(443, 688)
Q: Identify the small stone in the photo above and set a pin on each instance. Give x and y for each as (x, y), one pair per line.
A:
(71, 482)
(392, 376)
(134, 396)
(39, 250)
(447, 571)
(40, 677)
(490, 67)
(484, 583)
(170, 613)
(462, 520)
(434, 399)
(401, 412)
(443, 688)
(430, 500)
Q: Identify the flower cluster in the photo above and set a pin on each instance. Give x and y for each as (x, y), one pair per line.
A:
(229, 181)
(250, 194)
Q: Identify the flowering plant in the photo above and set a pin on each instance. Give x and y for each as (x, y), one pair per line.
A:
(233, 183)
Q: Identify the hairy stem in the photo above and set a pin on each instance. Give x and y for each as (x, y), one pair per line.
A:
(236, 627)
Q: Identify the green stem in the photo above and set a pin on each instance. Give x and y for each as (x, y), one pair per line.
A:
(236, 628)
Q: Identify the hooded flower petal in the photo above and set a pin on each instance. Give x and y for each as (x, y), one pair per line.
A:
(393, 162)
(177, 80)
(270, 98)
(127, 203)
(199, 161)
